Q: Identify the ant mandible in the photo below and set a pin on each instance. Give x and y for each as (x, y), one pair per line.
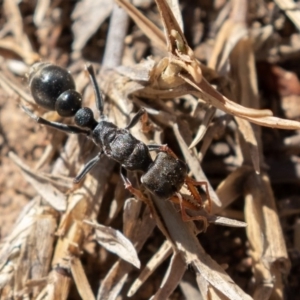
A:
(53, 88)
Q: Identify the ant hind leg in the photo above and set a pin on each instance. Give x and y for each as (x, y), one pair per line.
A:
(177, 198)
(191, 183)
(162, 148)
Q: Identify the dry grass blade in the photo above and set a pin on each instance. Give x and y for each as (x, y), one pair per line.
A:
(80, 279)
(150, 30)
(27, 251)
(231, 32)
(177, 268)
(170, 23)
(160, 256)
(175, 8)
(58, 286)
(11, 86)
(89, 15)
(246, 90)
(218, 220)
(11, 50)
(261, 117)
(203, 127)
(247, 133)
(231, 187)
(115, 242)
(265, 234)
(52, 195)
(13, 15)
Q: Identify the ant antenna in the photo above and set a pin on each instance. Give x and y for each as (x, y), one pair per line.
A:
(99, 99)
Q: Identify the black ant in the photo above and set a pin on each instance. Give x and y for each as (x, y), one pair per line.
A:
(53, 88)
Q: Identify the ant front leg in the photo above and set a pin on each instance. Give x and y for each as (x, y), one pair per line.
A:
(56, 125)
(191, 183)
(88, 167)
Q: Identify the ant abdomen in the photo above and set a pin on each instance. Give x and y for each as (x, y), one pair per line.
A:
(165, 176)
(53, 88)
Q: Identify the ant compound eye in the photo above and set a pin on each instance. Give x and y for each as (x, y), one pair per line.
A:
(85, 118)
(68, 103)
(47, 82)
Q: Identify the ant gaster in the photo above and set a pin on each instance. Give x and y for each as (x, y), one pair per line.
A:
(53, 88)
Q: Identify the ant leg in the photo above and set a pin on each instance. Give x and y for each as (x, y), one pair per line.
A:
(191, 183)
(177, 198)
(162, 148)
(128, 186)
(56, 125)
(99, 98)
(135, 118)
(146, 125)
(88, 167)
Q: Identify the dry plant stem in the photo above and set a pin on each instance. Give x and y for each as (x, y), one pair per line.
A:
(150, 30)
(118, 27)
(176, 270)
(204, 126)
(81, 280)
(9, 85)
(246, 90)
(175, 7)
(13, 15)
(260, 210)
(161, 255)
(265, 234)
(232, 187)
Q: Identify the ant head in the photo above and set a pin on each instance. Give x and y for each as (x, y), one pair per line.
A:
(48, 82)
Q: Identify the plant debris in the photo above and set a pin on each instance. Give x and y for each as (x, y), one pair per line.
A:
(219, 81)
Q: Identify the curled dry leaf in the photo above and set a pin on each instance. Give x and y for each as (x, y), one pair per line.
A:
(115, 279)
(115, 242)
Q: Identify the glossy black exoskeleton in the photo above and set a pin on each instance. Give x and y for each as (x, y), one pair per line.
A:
(53, 88)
